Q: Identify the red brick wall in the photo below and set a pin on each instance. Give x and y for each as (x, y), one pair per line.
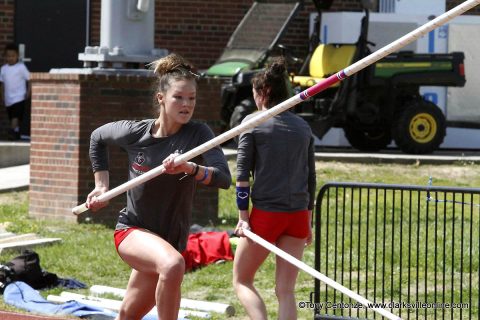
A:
(6, 23)
(95, 14)
(54, 151)
(65, 110)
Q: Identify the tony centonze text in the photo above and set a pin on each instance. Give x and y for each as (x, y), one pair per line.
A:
(384, 305)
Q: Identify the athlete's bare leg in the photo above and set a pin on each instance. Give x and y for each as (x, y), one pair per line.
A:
(156, 278)
(249, 256)
(286, 277)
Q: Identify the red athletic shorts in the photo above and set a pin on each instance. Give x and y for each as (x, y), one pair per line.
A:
(271, 225)
(121, 234)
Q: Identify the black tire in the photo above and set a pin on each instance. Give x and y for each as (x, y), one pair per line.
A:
(367, 140)
(239, 113)
(242, 110)
(420, 128)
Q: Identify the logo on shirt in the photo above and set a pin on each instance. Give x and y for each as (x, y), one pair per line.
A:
(140, 158)
(137, 164)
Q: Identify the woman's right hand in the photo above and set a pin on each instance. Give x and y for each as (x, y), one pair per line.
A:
(242, 224)
(92, 199)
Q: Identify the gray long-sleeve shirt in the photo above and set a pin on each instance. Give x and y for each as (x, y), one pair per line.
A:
(280, 155)
(163, 204)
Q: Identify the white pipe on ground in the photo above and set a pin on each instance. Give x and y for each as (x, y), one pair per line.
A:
(199, 305)
(114, 305)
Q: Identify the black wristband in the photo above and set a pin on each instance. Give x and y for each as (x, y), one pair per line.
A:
(195, 171)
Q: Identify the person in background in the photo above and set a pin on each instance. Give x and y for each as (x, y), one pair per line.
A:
(279, 154)
(14, 77)
(153, 229)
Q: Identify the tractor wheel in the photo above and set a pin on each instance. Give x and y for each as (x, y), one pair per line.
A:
(239, 113)
(369, 141)
(420, 128)
(245, 107)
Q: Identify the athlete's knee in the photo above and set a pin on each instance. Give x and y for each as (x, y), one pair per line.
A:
(236, 282)
(173, 269)
(241, 280)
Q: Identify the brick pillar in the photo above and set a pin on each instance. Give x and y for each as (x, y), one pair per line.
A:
(66, 108)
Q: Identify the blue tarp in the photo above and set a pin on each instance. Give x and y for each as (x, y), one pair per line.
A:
(22, 296)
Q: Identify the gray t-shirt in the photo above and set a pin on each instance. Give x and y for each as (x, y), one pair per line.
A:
(163, 204)
(280, 155)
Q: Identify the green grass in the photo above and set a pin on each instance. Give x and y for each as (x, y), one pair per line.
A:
(86, 252)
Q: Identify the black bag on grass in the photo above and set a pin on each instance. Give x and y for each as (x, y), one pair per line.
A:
(6, 277)
(26, 268)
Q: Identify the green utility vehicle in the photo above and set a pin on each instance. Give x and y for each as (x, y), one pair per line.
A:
(373, 107)
(253, 42)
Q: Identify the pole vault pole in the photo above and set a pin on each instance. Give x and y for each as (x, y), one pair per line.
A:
(287, 104)
(311, 271)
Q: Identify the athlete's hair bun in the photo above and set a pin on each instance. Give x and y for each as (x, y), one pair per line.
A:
(276, 68)
(171, 63)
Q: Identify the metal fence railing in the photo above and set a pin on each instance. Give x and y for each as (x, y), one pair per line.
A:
(414, 249)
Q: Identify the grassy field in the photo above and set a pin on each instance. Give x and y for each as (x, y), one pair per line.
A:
(87, 252)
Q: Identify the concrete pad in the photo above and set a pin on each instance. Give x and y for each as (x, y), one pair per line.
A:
(27, 244)
(230, 153)
(14, 178)
(17, 237)
(14, 153)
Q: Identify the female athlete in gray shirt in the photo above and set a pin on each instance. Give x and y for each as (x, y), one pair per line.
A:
(279, 154)
(153, 229)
